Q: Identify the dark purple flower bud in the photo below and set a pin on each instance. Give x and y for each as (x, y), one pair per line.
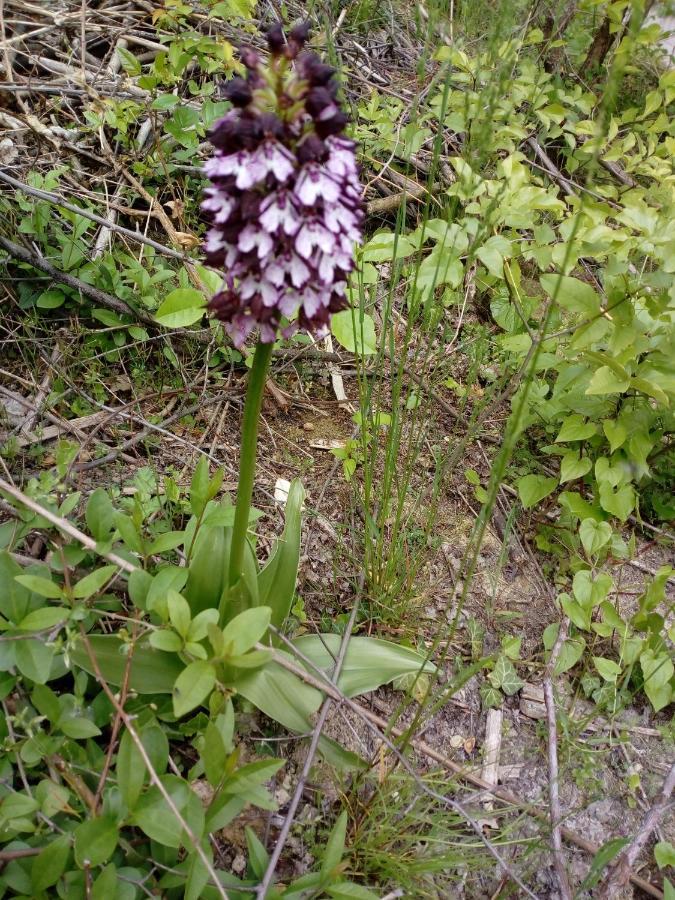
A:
(314, 70)
(297, 38)
(318, 100)
(249, 58)
(311, 149)
(270, 125)
(333, 124)
(225, 134)
(275, 39)
(238, 92)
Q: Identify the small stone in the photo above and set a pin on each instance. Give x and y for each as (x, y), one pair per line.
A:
(308, 426)
(456, 741)
(239, 864)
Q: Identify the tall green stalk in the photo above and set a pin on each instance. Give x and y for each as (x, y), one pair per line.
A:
(247, 458)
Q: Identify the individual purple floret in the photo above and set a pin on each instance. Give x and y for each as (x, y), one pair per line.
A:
(284, 201)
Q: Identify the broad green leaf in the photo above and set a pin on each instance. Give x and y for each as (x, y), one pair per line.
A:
(154, 817)
(95, 841)
(192, 687)
(335, 848)
(79, 728)
(130, 768)
(607, 668)
(242, 632)
(34, 659)
(533, 488)
(594, 535)
(94, 582)
(179, 612)
(368, 663)
(355, 331)
(572, 294)
(166, 640)
(575, 428)
(41, 619)
(198, 875)
(570, 653)
(349, 890)
(606, 381)
(492, 254)
(151, 671)
(615, 432)
(578, 506)
(579, 615)
(200, 624)
(386, 247)
(51, 299)
(181, 308)
(208, 568)
(100, 515)
(664, 854)
(277, 580)
(619, 503)
(281, 695)
(573, 466)
(167, 541)
(44, 587)
(257, 855)
(199, 486)
(657, 671)
(50, 864)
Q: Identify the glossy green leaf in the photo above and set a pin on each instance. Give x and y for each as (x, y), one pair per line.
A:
(594, 535)
(51, 863)
(95, 841)
(155, 818)
(572, 294)
(151, 671)
(181, 308)
(368, 663)
(193, 686)
(532, 489)
(276, 581)
(91, 584)
(355, 331)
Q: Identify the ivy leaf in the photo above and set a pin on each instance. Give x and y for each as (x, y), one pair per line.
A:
(491, 697)
(504, 676)
(594, 535)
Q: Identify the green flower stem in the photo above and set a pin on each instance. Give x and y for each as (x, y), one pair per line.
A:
(249, 442)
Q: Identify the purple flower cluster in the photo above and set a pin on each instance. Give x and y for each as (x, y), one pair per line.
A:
(285, 200)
